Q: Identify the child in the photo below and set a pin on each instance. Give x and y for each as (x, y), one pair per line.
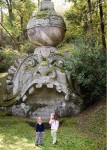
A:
(54, 127)
(39, 131)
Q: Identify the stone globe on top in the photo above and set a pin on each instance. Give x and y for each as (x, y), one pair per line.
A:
(48, 31)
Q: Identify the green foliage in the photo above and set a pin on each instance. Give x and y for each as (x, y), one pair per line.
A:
(88, 64)
(27, 47)
(44, 63)
(7, 57)
(16, 26)
(42, 14)
(77, 20)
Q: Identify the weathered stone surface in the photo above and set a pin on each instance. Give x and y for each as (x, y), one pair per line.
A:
(49, 31)
(31, 90)
(44, 52)
(21, 110)
(68, 110)
(44, 112)
(9, 88)
(24, 98)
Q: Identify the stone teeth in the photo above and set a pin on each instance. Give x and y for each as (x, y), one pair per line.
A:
(31, 90)
(49, 85)
(67, 97)
(58, 88)
(17, 98)
(24, 98)
(39, 85)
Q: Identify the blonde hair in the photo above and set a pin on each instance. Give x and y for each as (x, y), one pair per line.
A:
(39, 119)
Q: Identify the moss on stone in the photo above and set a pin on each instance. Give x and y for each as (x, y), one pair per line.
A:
(36, 106)
(28, 68)
(3, 85)
(44, 63)
(42, 14)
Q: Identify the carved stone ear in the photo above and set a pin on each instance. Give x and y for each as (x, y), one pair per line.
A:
(31, 61)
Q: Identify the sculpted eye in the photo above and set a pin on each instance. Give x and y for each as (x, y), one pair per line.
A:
(53, 61)
(50, 74)
(31, 63)
(60, 63)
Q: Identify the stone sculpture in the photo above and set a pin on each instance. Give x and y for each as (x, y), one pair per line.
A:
(40, 80)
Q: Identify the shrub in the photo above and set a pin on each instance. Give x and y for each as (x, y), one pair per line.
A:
(7, 57)
(88, 64)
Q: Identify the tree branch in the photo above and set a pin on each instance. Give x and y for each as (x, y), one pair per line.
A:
(15, 43)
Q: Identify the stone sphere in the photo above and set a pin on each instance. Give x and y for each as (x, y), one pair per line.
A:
(49, 31)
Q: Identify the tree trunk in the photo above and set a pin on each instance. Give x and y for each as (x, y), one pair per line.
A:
(22, 32)
(10, 16)
(90, 19)
(15, 44)
(38, 3)
(1, 30)
(9, 7)
(102, 25)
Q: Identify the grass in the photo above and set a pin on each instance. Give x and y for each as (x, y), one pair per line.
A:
(84, 132)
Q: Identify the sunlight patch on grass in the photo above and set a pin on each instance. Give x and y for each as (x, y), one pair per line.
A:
(1, 141)
(17, 144)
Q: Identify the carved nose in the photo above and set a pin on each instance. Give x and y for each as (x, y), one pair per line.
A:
(44, 70)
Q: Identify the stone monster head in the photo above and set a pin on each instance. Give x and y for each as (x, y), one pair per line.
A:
(43, 68)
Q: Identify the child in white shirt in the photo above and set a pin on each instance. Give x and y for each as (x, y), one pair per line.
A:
(54, 127)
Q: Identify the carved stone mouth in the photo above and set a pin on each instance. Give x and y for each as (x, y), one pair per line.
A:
(33, 88)
(34, 85)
